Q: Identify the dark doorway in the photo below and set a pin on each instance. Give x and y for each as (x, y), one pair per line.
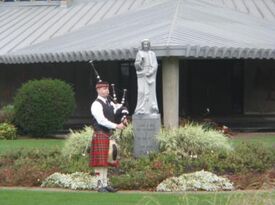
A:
(214, 85)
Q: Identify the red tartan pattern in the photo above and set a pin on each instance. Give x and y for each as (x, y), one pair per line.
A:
(99, 150)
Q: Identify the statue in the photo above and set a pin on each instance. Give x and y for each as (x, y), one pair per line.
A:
(146, 68)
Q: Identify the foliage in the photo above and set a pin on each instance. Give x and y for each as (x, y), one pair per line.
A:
(248, 157)
(192, 140)
(42, 106)
(197, 181)
(77, 142)
(27, 168)
(146, 172)
(143, 173)
(38, 164)
(125, 140)
(76, 164)
(7, 131)
(75, 181)
(7, 114)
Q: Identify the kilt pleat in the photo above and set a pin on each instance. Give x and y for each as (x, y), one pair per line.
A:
(99, 150)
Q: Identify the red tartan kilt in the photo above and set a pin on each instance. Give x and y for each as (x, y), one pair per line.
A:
(99, 150)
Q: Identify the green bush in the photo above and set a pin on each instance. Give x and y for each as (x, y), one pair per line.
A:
(42, 106)
(125, 140)
(77, 142)
(24, 167)
(143, 173)
(28, 167)
(192, 140)
(7, 114)
(7, 131)
(248, 157)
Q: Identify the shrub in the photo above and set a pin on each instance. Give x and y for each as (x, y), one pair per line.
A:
(143, 173)
(139, 180)
(7, 131)
(28, 167)
(77, 142)
(7, 114)
(249, 157)
(24, 167)
(246, 157)
(192, 140)
(125, 140)
(42, 106)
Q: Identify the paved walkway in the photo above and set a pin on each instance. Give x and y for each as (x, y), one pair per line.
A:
(130, 191)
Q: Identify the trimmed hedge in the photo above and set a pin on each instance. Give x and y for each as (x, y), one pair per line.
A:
(42, 106)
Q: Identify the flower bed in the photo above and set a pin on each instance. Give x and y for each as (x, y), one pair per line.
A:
(76, 181)
(196, 181)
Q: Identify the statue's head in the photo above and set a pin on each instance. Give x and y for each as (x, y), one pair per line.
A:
(145, 44)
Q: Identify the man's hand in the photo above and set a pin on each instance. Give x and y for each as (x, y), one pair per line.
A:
(125, 121)
(120, 126)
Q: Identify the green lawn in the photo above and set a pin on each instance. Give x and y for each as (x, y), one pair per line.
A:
(268, 140)
(31, 143)
(7, 145)
(28, 197)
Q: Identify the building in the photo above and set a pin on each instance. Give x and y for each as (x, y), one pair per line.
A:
(213, 54)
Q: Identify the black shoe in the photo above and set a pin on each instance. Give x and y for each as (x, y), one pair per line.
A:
(111, 189)
(103, 189)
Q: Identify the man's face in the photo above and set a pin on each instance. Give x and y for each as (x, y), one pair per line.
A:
(103, 91)
(145, 45)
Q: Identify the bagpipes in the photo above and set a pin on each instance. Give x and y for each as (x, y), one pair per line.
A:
(122, 112)
(120, 117)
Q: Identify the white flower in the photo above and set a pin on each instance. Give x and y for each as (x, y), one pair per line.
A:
(77, 180)
(201, 180)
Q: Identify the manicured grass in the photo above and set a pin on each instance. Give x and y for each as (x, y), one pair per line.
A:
(268, 140)
(31, 143)
(11, 145)
(19, 197)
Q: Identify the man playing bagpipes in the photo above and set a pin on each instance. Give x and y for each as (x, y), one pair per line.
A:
(105, 115)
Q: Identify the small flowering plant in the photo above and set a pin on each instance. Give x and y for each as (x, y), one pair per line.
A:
(197, 181)
(75, 181)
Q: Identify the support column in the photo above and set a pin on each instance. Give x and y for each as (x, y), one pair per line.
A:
(170, 86)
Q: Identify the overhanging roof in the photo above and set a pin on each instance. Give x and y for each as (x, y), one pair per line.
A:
(24, 24)
(185, 28)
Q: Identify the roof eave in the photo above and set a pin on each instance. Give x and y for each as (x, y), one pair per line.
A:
(187, 51)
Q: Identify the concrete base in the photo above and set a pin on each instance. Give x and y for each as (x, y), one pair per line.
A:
(145, 128)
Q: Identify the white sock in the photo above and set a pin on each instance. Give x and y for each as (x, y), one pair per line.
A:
(101, 173)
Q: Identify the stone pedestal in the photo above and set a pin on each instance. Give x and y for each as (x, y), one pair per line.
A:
(145, 127)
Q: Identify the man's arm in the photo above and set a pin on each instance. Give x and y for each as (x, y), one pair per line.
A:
(97, 112)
